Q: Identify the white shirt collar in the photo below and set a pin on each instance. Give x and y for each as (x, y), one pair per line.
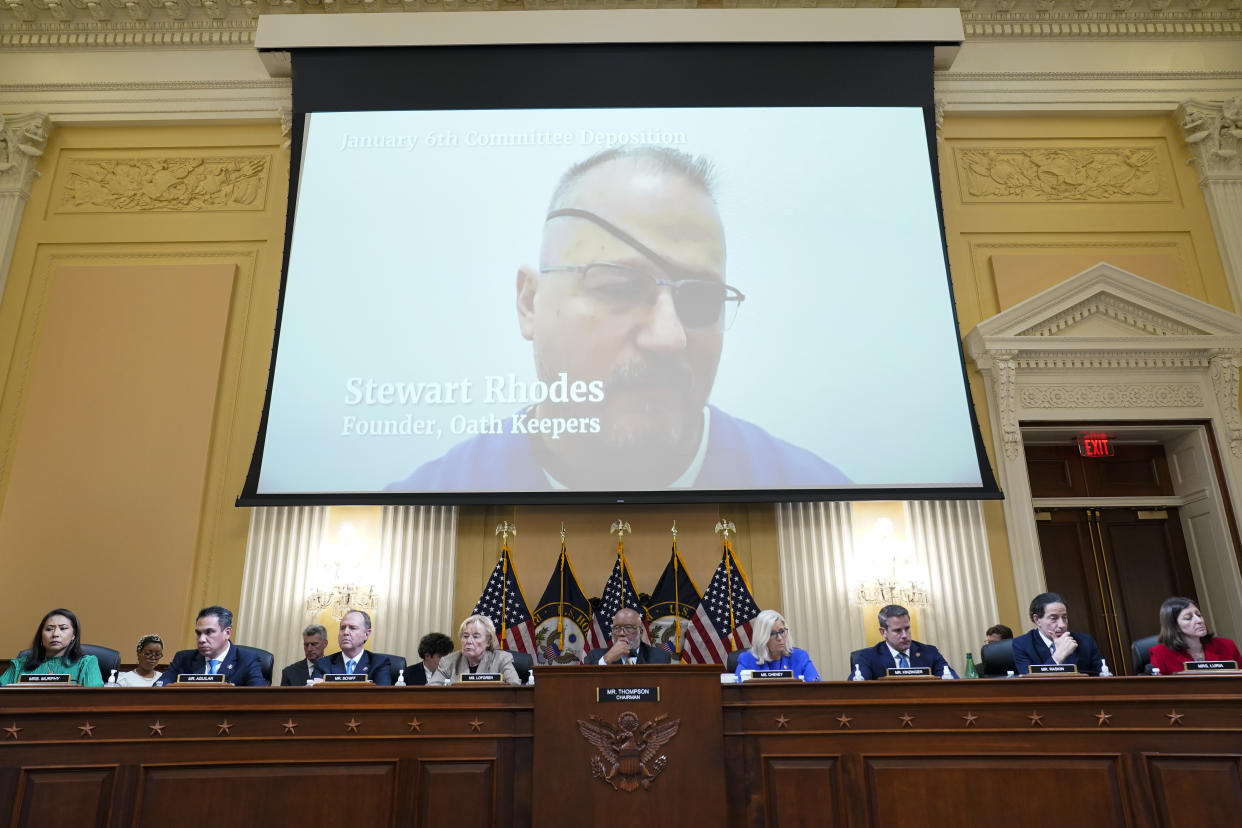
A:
(223, 659)
(895, 653)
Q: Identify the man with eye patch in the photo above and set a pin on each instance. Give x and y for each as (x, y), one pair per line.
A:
(631, 292)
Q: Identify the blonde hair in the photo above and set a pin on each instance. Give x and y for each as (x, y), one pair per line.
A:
(485, 623)
(761, 631)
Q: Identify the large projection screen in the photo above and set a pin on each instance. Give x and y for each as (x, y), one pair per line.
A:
(616, 272)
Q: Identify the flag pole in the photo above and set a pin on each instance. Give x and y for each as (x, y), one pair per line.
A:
(676, 597)
(560, 607)
(619, 528)
(724, 527)
(504, 529)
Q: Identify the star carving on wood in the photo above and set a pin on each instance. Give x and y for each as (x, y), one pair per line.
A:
(1175, 718)
(1102, 719)
(907, 720)
(290, 726)
(476, 724)
(352, 725)
(1037, 719)
(156, 729)
(844, 721)
(224, 728)
(782, 721)
(88, 730)
(415, 725)
(969, 719)
(13, 730)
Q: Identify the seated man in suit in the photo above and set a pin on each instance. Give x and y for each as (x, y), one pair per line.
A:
(314, 640)
(213, 631)
(1052, 641)
(352, 658)
(898, 649)
(627, 646)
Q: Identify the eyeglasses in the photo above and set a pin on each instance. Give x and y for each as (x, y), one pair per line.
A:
(779, 633)
(629, 628)
(700, 303)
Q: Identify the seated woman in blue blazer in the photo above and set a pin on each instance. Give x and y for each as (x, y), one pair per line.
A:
(772, 649)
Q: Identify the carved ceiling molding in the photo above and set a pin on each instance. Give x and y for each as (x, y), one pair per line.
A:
(106, 24)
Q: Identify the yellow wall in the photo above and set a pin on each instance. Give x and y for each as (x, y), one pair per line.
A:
(136, 327)
(136, 331)
(1030, 202)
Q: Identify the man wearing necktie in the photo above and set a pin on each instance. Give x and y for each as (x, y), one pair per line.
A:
(898, 649)
(1052, 641)
(215, 653)
(353, 657)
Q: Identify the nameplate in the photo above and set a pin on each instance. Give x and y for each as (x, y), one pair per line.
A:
(346, 678)
(1053, 670)
(43, 678)
(627, 694)
(1211, 665)
(771, 674)
(907, 672)
(200, 678)
(468, 677)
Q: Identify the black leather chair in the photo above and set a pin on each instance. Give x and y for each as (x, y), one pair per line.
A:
(265, 659)
(731, 661)
(397, 663)
(108, 658)
(1140, 654)
(996, 658)
(523, 663)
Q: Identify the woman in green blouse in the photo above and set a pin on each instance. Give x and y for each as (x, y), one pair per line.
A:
(57, 648)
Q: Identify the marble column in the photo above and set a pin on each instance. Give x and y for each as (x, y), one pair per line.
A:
(23, 139)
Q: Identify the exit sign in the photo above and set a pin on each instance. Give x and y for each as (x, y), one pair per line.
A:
(1095, 445)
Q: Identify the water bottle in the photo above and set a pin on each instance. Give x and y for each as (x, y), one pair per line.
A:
(400, 682)
(1104, 671)
(971, 670)
(112, 680)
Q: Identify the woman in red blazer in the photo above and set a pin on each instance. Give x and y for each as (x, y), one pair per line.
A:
(1184, 637)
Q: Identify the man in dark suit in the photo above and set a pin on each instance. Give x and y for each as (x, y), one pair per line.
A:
(353, 658)
(627, 646)
(1052, 641)
(213, 631)
(314, 640)
(898, 649)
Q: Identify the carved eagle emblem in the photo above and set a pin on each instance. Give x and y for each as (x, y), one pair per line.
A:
(628, 754)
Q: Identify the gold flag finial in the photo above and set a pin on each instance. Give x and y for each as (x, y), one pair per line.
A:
(724, 527)
(674, 530)
(562, 531)
(620, 528)
(506, 530)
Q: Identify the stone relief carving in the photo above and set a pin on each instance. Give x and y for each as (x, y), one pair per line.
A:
(1005, 377)
(1224, 373)
(1114, 173)
(1214, 135)
(1127, 313)
(1147, 395)
(164, 184)
(23, 140)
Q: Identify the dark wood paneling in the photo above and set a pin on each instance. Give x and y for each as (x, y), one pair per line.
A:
(952, 790)
(1197, 792)
(1055, 472)
(1134, 471)
(64, 796)
(801, 792)
(288, 793)
(456, 793)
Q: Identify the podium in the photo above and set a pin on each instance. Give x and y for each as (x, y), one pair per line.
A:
(626, 745)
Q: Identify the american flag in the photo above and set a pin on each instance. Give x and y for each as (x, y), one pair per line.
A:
(721, 624)
(618, 592)
(503, 602)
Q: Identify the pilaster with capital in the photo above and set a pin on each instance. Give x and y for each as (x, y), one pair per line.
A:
(23, 138)
(1223, 368)
(1005, 377)
(1213, 134)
